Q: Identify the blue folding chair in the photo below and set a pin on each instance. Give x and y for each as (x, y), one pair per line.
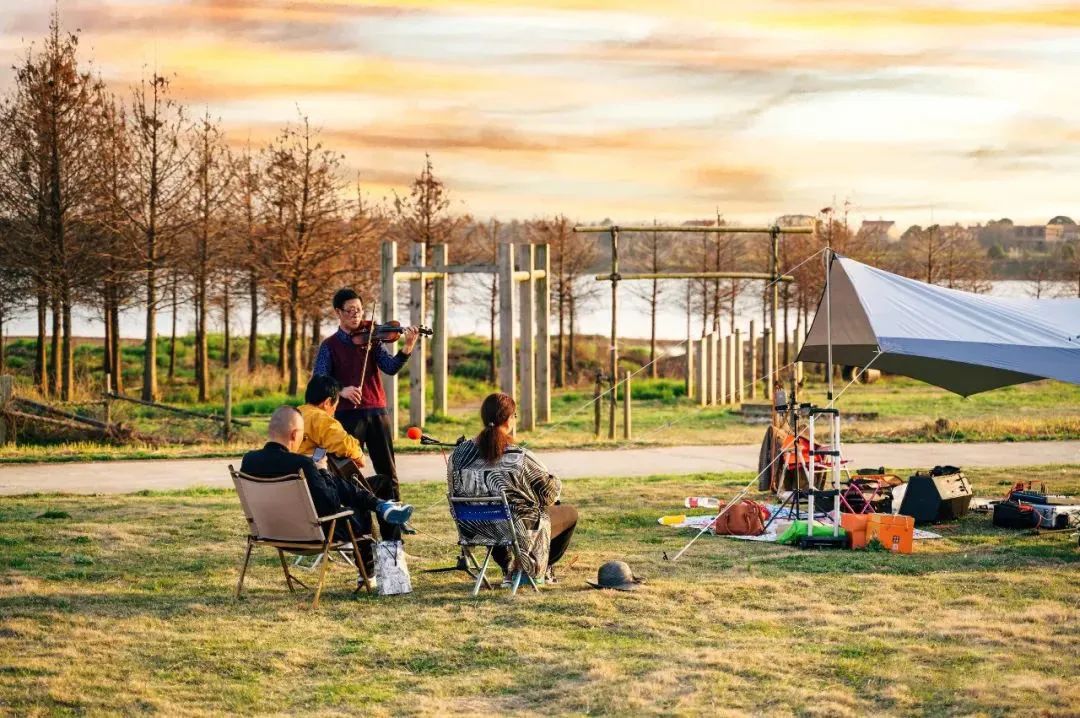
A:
(486, 522)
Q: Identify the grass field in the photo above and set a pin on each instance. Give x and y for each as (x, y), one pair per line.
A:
(908, 411)
(122, 605)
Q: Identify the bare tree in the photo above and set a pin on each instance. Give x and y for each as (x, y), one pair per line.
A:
(152, 202)
(303, 189)
(649, 253)
(117, 266)
(211, 177)
(47, 164)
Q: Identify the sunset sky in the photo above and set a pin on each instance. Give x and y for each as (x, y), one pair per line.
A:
(633, 110)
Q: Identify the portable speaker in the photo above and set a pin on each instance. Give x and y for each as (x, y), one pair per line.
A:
(928, 499)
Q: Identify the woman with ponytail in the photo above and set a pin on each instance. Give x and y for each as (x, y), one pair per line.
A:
(492, 464)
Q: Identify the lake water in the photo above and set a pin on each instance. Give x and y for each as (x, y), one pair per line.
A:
(467, 317)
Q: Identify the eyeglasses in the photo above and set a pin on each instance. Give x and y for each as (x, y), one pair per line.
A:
(351, 312)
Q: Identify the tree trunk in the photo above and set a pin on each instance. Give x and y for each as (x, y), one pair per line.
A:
(313, 345)
(281, 340)
(787, 327)
(571, 358)
(149, 384)
(652, 335)
(492, 314)
(172, 336)
(107, 344)
(560, 366)
(40, 380)
(253, 335)
(54, 349)
(68, 373)
(3, 347)
(118, 357)
(226, 360)
(294, 340)
(202, 349)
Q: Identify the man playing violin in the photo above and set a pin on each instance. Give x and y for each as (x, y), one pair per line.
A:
(354, 358)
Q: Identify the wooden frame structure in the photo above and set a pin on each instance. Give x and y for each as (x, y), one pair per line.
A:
(522, 283)
(773, 276)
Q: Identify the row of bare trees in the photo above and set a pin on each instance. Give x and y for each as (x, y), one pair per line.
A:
(116, 203)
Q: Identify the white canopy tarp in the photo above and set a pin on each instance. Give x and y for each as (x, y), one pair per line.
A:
(963, 342)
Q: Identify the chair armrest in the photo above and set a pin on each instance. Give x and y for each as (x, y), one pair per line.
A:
(346, 512)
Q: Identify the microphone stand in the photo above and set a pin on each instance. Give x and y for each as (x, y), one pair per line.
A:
(462, 563)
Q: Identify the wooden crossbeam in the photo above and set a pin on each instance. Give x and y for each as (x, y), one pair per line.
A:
(696, 275)
(412, 271)
(695, 230)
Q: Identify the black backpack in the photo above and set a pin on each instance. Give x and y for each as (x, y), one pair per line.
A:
(1015, 515)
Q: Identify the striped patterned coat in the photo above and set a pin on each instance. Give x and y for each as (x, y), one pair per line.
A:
(528, 487)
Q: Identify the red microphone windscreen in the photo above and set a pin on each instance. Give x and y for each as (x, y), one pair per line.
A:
(413, 432)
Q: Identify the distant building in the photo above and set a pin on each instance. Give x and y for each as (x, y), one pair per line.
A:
(1061, 229)
(879, 229)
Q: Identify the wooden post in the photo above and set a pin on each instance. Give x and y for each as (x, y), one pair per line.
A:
(711, 374)
(753, 360)
(626, 407)
(7, 389)
(388, 300)
(691, 388)
(543, 335)
(507, 366)
(732, 378)
(797, 342)
(768, 378)
(721, 372)
(774, 296)
(417, 365)
(614, 365)
(106, 400)
(527, 357)
(597, 390)
(226, 426)
(740, 375)
(702, 393)
(440, 340)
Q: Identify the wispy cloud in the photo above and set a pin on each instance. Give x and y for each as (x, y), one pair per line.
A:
(594, 107)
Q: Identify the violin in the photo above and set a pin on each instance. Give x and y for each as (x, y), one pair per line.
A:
(389, 332)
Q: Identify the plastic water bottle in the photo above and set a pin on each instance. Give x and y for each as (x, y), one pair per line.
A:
(702, 502)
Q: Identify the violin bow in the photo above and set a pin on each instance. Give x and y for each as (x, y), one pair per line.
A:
(367, 354)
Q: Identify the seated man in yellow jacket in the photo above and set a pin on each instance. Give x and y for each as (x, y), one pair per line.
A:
(323, 434)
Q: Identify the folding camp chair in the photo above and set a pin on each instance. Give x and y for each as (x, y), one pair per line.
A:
(281, 514)
(486, 521)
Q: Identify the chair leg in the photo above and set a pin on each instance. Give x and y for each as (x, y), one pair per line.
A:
(243, 568)
(483, 572)
(325, 562)
(471, 560)
(517, 582)
(285, 567)
(358, 560)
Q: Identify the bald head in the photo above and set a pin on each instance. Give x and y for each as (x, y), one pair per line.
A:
(286, 427)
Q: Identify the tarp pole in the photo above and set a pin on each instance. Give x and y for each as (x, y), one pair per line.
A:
(809, 480)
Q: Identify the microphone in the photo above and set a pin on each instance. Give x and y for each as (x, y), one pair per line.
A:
(414, 433)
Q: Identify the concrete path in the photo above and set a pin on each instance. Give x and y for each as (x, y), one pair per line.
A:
(112, 477)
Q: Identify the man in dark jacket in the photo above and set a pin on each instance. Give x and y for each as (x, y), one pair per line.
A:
(329, 493)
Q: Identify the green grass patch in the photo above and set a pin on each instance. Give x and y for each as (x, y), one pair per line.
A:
(139, 588)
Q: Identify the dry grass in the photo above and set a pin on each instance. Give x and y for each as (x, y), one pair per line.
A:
(125, 608)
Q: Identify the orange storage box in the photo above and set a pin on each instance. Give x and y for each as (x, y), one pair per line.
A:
(896, 533)
(855, 526)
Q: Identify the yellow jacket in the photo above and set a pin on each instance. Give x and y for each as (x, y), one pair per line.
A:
(322, 431)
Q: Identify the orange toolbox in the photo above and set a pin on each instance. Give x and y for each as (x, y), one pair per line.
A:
(855, 527)
(896, 533)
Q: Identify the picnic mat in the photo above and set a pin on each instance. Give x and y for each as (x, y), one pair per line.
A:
(777, 527)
